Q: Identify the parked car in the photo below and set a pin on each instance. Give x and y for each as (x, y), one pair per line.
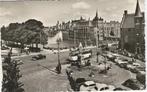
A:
(122, 64)
(136, 64)
(135, 67)
(119, 89)
(4, 48)
(131, 68)
(120, 59)
(111, 57)
(38, 57)
(104, 87)
(88, 86)
(117, 55)
(78, 82)
(141, 77)
(133, 84)
(140, 69)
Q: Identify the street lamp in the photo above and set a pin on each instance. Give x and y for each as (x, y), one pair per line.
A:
(97, 41)
(58, 68)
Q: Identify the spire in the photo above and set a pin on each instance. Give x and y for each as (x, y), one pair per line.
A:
(96, 14)
(138, 11)
(96, 17)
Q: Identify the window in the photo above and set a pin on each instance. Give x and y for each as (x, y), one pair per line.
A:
(138, 50)
(129, 29)
(137, 21)
(126, 39)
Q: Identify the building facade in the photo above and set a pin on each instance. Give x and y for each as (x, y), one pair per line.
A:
(83, 30)
(132, 31)
(112, 30)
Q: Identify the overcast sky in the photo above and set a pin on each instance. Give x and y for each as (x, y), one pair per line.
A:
(63, 10)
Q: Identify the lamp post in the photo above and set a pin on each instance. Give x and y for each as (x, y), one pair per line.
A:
(58, 68)
(97, 43)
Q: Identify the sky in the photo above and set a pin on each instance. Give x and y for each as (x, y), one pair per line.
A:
(51, 11)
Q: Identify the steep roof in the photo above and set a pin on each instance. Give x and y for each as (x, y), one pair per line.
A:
(128, 21)
(96, 17)
(138, 10)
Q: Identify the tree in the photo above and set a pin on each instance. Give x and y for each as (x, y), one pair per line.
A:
(28, 32)
(11, 75)
(33, 24)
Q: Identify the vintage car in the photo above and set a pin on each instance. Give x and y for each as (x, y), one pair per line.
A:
(38, 57)
(133, 84)
(104, 87)
(88, 86)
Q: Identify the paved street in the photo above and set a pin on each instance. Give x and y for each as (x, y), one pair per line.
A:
(116, 76)
(39, 76)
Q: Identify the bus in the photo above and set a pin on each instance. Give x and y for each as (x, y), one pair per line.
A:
(85, 54)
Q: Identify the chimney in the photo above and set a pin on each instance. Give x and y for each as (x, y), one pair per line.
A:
(125, 12)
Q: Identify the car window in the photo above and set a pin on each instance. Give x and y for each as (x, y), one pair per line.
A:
(80, 80)
(102, 89)
(106, 88)
(85, 85)
(92, 84)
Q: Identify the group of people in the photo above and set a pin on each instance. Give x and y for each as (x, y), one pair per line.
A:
(26, 50)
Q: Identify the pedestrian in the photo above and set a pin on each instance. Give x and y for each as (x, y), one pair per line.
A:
(20, 51)
(58, 68)
(27, 50)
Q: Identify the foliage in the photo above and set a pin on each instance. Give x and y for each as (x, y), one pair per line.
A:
(11, 75)
(28, 32)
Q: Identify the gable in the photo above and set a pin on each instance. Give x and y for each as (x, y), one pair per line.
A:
(128, 21)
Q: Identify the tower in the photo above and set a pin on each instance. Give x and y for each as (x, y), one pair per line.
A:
(96, 17)
(138, 19)
(138, 15)
(138, 10)
(95, 20)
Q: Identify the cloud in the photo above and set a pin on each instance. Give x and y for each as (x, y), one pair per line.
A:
(81, 5)
(111, 8)
(79, 14)
(4, 12)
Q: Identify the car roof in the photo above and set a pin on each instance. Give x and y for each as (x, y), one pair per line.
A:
(100, 85)
(136, 63)
(89, 82)
(121, 62)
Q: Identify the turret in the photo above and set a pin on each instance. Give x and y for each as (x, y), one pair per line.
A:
(138, 11)
(96, 17)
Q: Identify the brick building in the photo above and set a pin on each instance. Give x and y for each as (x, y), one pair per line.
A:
(112, 30)
(132, 31)
(83, 30)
